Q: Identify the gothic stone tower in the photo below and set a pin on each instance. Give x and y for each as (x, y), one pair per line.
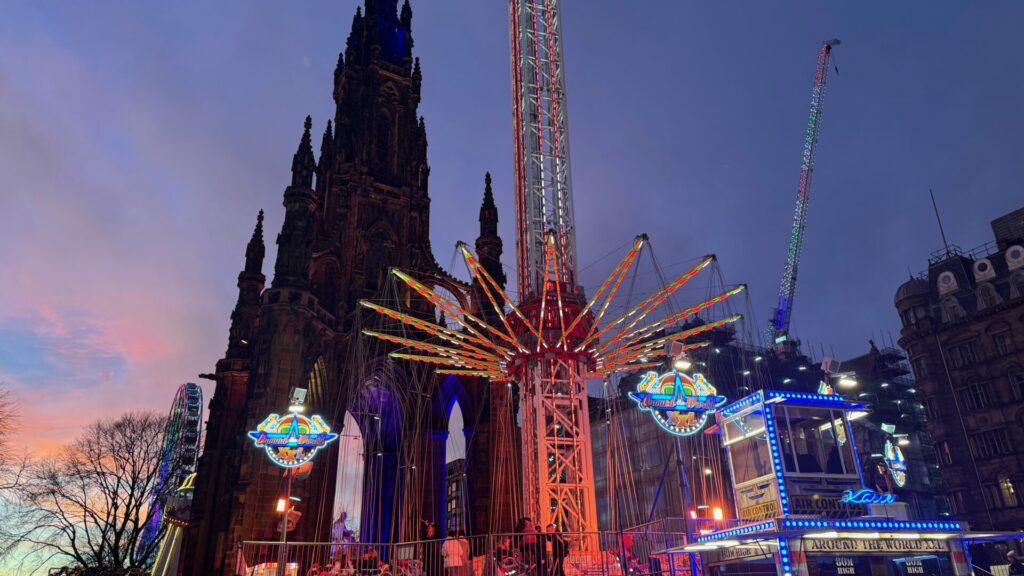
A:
(360, 209)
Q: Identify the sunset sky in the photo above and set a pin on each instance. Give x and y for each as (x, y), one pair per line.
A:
(138, 141)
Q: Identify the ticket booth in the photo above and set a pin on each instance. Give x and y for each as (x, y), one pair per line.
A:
(802, 506)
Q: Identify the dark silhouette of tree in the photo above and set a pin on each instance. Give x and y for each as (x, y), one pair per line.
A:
(8, 420)
(87, 506)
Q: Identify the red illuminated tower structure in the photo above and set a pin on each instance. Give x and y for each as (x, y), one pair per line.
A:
(558, 470)
(778, 328)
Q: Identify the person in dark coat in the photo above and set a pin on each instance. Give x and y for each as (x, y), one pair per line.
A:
(559, 550)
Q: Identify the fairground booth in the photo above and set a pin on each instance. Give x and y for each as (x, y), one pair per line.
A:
(801, 502)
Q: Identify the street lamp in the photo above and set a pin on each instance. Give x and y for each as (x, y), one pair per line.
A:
(286, 447)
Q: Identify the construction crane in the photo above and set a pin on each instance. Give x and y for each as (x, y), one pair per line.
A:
(778, 327)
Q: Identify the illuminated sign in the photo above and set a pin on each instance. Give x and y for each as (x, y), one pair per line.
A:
(867, 496)
(825, 389)
(293, 439)
(873, 545)
(679, 403)
(896, 462)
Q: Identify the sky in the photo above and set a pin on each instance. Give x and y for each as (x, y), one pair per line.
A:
(138, 141)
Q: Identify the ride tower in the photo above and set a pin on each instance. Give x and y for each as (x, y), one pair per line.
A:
(558, 472)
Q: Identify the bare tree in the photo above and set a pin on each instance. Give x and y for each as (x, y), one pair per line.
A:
(89, 505)
(8, 421)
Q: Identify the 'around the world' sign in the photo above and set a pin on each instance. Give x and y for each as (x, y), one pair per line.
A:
(679, 403)
(293, 439)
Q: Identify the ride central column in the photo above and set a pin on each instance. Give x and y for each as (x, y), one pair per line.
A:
(558, 470)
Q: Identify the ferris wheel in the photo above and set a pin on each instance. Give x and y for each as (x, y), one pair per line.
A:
(180, 452)
(182, 434)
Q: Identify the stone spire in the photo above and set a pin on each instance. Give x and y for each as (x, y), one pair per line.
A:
(303, 163)
(295, 242)
(489, 244)
(250, 285)
(488, 211)
(255, 251)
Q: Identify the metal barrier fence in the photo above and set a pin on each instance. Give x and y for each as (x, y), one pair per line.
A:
(639, 553)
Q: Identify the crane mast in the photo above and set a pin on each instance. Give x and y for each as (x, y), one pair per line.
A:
(558, 476)
(778, 328)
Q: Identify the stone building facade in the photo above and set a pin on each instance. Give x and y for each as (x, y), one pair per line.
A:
(963, 331)
(353, 212)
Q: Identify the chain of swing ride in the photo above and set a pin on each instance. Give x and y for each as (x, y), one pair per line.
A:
(699, 457)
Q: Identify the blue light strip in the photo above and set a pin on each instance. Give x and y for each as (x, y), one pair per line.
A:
(893, 525)
(809, 399)
(773, 443)
(787, 567)
(748, 529)
(741, 404)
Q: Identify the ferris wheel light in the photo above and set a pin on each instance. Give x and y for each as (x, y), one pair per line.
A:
(716, 513)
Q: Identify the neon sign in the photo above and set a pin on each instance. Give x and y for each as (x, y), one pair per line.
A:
(825, 389)
(293, 439)
(679, 403)
(867, 496)
(896, 463)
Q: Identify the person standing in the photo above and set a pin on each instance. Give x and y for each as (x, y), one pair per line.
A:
(452, 553)
(430, 549)
(559, 550)
(467, 556)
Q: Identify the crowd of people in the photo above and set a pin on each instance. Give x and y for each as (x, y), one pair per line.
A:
(531, 551)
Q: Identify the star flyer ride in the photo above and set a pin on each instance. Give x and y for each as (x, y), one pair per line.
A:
(801, 505)
(548, 345)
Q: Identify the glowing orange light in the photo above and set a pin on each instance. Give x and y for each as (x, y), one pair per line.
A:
(716, 512)
(281, 504)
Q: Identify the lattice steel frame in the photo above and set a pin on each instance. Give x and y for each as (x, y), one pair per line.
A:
(541, 147)
(559, 477)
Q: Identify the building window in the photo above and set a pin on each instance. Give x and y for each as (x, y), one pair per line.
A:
(1016, 377)
(992, 499)
(1017, 285)
(943, 454)
(987, 296)
(1003, 343)
(991, 443)
(956, 502)
(1007, 490)
(920, 368)
(976, 396)
(951, 310)
(964, 354)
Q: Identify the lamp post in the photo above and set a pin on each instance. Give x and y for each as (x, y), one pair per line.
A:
(291, 441)
(282, 554)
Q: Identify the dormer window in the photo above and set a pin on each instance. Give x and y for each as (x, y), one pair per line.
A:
(1017, 285)
(951, 310)
(987, 296)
